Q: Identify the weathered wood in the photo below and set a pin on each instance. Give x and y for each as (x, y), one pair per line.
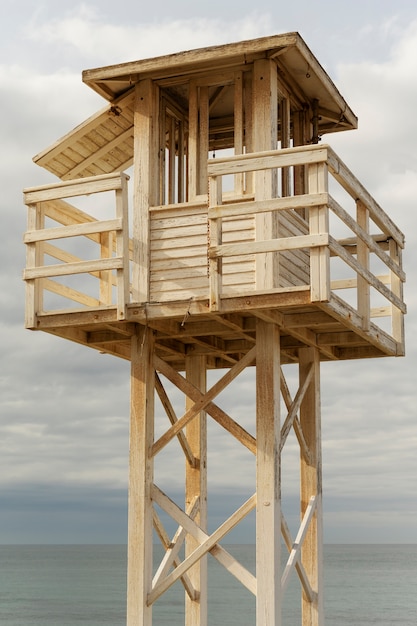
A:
(204, 546)
(268, 513)
(268, 158)
(79, 267)
(311, 532)
(270, 245)
(297, 547)
(77, 230)
(77, 187)
(265, 97)
(196, 486)
(172, 549)
(139, 574)
(146, 183)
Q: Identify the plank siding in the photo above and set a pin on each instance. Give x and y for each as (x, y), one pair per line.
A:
(178, 245)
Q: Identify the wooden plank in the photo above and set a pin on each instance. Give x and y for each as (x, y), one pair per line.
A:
(215, 237)
(196, 486)
(298, 543)
(34, 257)
(240, 209)
(311, 485)
(205, 546)
(298, 565)
(363, 287)
(397, 289)
(193, 141)
(67, 269)
(268, 461)
(239, 128)
(271, 245)
(319, 223)
(73, 188)
(267, 159)
(122, 250)
(77, 230)
(139, 564)
(203, 140)
(146, 148)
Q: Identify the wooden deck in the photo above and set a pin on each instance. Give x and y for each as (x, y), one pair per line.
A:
(331, 277)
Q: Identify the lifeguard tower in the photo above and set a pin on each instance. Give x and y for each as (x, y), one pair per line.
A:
(247, 243)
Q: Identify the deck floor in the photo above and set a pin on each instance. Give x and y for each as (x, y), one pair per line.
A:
(224, 337)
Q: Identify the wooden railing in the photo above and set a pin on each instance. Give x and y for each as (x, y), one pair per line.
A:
(324, 214)
(110, 270)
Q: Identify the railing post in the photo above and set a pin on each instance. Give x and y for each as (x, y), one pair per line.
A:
(397, 289)
(34, 291)
(122, 248)
(319, 224)
(363, 288)
(214, 226)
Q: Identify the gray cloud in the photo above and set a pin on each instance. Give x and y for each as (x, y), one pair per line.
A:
(64, 409)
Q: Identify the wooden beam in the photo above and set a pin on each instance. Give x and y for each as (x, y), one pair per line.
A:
(268, 472)
(196, 486)
(139, 574)
(310, 487)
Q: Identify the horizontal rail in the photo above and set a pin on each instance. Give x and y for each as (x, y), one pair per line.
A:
(76, 187)
(262, 206)
(271, 245)
(77, 230)
(80, 267)
(256, 161)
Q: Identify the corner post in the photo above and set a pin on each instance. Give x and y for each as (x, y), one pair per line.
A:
(139, 574)
(311, 485)
(268, 475)
(265, 120)
(146, 182)
(196, 486)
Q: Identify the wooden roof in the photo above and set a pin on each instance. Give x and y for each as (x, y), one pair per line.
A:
(104, 142)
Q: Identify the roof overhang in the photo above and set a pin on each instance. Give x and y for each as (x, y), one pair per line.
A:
(104, 142)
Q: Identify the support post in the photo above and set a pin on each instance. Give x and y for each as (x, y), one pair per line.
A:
(146, 182)
(139, 574)
(311, 481)
(265, 114)
(196, 485)
(268, 470)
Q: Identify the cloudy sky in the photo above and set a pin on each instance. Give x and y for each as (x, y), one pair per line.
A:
(63, 408)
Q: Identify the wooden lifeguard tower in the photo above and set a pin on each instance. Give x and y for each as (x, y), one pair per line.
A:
(247, 243)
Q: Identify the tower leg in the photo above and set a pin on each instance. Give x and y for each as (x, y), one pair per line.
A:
(196, 486)
(311, 481)
(268, 508)
(139, 575)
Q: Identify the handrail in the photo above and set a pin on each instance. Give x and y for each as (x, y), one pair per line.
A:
(319, 162)
(111, 235)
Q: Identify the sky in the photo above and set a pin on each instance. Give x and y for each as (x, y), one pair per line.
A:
(64, 409)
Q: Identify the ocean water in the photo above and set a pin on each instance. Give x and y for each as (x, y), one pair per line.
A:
(75, 585)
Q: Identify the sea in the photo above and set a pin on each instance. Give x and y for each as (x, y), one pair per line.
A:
(71, 585)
